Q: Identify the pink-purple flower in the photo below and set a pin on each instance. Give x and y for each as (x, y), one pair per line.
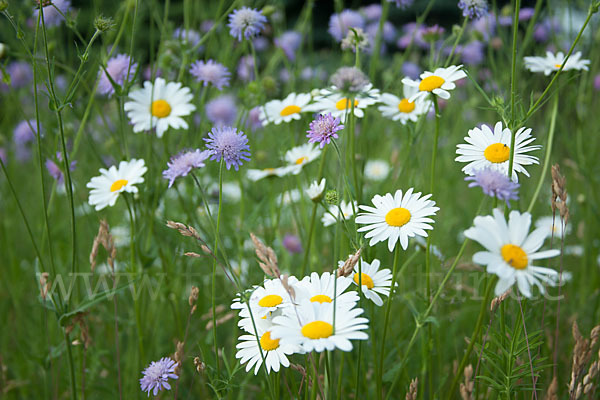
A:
(183, 163)
(210, 72)
(121, 68)
(227, 144)
(246, 23)
(157, 374)
(323, 129)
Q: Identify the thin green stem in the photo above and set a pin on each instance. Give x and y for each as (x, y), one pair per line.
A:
(458, 37)
(214, 268)
(540, 183)
(385, 7)
(513, 90)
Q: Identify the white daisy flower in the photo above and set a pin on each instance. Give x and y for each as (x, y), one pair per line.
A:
(438, 82)
(311, 326)
(274, 352)
(336, 103)
(289, 197)
(278, 111)
(331, 216)
(107, 187)
(402, 109)
(376, 170)
(298, 156)
(396, 218)
(552, 63)
(554, 226)
(160, 105)
(511, 251)
(258, 174)
(373, 280)
(487, 148)
(315, 190)
(265, 299)
(324, 289)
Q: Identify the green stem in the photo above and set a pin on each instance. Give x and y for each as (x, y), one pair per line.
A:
(214, 268)
(388, 308)
(474, 336)
(513, 90)
(458, 37)
(547, 156)
(385, 7)
(313, 217)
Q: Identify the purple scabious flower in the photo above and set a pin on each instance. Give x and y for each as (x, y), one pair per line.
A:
(227, 144)
(55, 171)
(52, 16)
(495, 184)
(402, 3)
(292, 243)
(246, 22)
(349, 79)
(388, 34)
(221, 110)
(411, 70)
(372, 12)
(183, 163)
(187, 36)
(157, 374)
(473, 9)
(526, 13)
(412, 32)
(253, 121)
(323, 129)
(20, 74)
(245, 69)
(289, 42)
(485, 25)
(597, 82)
(119, 69)
(472, 53)
(210, 72)
(340, 24)
(23, 134)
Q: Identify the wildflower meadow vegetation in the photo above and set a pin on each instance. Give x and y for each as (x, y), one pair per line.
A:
(300, 199)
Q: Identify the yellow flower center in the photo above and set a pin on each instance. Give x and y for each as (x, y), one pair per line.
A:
(497, 153)
(515, 256)
(301, 160)
(406, 106)
(270, 300)
(118, 185)
(344, 104)
(397, 216)
(365, 280)
(557, 66)
(269, 170)
(317, 330)
(430, 83)
(321, 298)
(289, 110)
(160, 108)
(267, 343)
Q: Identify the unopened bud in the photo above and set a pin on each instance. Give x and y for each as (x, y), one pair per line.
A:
(332, 198)
(103, 23)
(3, 50)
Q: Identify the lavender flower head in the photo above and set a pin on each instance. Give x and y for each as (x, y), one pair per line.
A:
(340, 24)
(292, 243)
(323, 129)
(20, 74)
(372, 12)
(246, 22)
(52, 16)
(349, 79)
(402, 3)
(23, 134)
(187, 36)
(411, 70)
(210, 72)
(55, 171)
(495, 184)
(119, 70)
(157, 374)
(228, 144)
(597, 82)
(473, 9)
(221, 110)
(289, 42)
(245, 68)
(183, 163)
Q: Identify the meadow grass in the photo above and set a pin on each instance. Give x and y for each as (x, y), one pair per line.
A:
(95, 289)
